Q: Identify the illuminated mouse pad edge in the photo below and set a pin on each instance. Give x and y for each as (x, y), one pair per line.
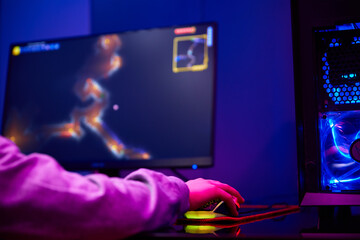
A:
(202, 215)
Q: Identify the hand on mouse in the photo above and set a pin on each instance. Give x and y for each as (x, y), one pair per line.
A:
(203, 191)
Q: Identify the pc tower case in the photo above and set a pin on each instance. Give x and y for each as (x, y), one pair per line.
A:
(338, 84)
(330, 168)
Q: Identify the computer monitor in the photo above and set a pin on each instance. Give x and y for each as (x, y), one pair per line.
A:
(141, 98)
(329, 128)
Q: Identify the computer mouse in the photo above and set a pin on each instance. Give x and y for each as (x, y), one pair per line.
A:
(212, 209)
(223, 209)
(219, 206)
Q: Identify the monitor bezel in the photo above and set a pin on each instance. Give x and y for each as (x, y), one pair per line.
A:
(194, 162)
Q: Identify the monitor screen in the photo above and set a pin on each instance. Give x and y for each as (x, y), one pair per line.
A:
(140, 98)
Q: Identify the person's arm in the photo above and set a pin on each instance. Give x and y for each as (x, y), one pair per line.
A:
(41, 200)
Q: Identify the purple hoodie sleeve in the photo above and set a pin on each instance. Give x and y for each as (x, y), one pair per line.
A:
(41, 200)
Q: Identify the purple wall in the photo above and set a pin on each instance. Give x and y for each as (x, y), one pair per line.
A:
(255, 130)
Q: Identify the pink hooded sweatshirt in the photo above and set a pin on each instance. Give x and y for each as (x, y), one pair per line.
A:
(41, 200)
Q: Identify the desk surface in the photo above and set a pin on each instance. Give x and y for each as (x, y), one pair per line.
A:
(304, 224)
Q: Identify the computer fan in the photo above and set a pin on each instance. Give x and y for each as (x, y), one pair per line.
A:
(340, 150)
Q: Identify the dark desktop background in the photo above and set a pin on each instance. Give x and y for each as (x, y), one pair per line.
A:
(168, 115)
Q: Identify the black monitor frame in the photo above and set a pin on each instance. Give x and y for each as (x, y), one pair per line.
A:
(195, 162)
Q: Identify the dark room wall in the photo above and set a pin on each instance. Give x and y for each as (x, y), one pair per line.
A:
(22, 21)
(255, 130)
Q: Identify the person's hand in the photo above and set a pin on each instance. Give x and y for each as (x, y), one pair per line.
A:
(202, 191)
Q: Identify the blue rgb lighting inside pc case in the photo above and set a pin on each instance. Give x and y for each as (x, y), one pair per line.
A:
(339, 110)
(338, 133)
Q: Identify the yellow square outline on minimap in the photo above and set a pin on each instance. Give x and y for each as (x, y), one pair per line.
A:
(200, 67)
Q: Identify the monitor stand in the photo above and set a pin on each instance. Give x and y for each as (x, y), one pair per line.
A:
(110, 172)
